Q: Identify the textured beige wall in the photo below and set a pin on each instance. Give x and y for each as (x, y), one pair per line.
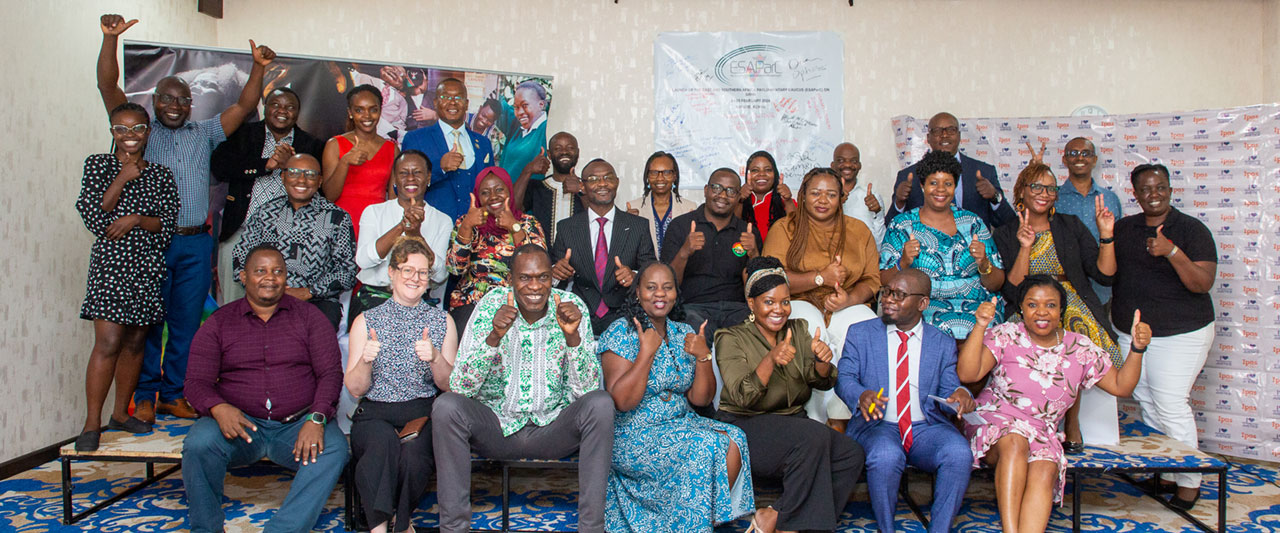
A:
(972, 57)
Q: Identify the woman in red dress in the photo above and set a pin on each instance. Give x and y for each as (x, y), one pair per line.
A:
(357, 164)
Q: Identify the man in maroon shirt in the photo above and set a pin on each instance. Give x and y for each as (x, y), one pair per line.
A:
(264, 373)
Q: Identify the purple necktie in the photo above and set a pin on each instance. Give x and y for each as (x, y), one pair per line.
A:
(602, 262)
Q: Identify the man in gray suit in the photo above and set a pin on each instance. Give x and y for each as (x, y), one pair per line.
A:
(598, 251)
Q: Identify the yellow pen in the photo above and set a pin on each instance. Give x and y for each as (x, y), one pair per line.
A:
(873, 404)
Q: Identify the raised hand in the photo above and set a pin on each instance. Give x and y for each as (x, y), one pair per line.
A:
(504, 318)
(632, 210)
(129, 169)
(622, 273)
(985, 314)
(413, 217)
(1026, 234)
(820, 349)
(869, 398)
(978, 251)
(748, 240)
(696, 344)
(870, 201)
(539, 165)
(903, 190)
(278, 158)
(650, 339)
(985, 188)
(783, 352)
(424, 114)
(371, 348)
(783, 190)
(424, 348)
(696, 239)
(1104, 218)
(115, 24)
(354, 156)
(1140, 332)
(121, 227)
(474, 217)
(504, 218)
(1036, 157)
(1160, 246)
(836, 301)
(452, 160)
(572, 184)
(568, 316)
(835, 272)
(262, 55)
(910, 251)
(561, 270)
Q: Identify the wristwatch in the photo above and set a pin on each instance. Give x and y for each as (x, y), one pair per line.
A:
(817, 280)
(317, 418)
(515, 228)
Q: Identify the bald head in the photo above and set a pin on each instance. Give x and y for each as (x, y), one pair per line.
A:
(301, 177)
(917, 281)
(846, 160)
(172, 102)
(944, 133)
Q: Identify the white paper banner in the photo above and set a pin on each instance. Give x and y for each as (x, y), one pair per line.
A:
(718, 97)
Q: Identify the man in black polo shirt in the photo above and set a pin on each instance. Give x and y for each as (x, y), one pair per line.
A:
(708, 248)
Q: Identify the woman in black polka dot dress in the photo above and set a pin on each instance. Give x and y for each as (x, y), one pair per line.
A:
(131, 206)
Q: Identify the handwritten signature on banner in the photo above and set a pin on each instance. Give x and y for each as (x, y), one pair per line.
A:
(807, 69)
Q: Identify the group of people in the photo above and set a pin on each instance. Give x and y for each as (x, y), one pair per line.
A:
(681, 350)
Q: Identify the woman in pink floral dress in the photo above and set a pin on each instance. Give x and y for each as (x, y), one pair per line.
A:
(1037, 370)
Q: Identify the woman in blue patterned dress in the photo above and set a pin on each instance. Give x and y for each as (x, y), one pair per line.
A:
(952, 245)
(672, 469)
(402, 353)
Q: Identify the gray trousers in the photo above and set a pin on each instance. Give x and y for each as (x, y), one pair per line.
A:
(460, 425)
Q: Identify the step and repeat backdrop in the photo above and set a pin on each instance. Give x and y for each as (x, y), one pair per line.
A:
(1225, 166)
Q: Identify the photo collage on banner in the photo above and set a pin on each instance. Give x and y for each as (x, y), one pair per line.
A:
(514, 123)
(1225, 167)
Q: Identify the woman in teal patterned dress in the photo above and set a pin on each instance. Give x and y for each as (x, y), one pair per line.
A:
(952, 245)
(672, 469)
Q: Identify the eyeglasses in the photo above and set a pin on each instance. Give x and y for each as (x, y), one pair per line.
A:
(409, 272)
(944, 130)
(592, 180)
(167, 99)
(1157, 189)
(717, 189)
(306, 173)
(667, 174)
(1040, 188)
(1079, 153)
(896, 295)
(450, 98)
(121, 129)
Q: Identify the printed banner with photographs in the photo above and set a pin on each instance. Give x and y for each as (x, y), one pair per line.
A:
(495, 108)
(1225, 166)
(718, 97)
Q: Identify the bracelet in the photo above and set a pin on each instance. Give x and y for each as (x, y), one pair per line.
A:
(1135, 350)
(706, 359)
(990, 267)
(1107, 240)
(1173, 253)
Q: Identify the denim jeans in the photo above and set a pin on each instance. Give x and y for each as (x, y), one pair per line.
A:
(206, 455)
(185, 289)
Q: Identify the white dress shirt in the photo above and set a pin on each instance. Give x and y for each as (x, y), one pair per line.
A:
(594, 230)
(377, 219)
(913, 371)
(534, 126)
(856, 206)
(463, 139)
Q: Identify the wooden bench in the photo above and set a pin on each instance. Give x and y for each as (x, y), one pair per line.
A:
(163, 446)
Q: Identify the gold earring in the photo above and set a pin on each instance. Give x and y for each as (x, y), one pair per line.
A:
(751, 317)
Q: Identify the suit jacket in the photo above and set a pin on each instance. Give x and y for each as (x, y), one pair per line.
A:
(238, 161)
(973, 202)
(629, 242)
(449, 192)
(1077, 253)
(864, 365)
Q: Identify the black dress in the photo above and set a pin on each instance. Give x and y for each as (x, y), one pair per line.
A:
(125, 274)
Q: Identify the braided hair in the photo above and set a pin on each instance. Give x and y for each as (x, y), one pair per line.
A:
(675, 165)
(777, 209)
(799, 223)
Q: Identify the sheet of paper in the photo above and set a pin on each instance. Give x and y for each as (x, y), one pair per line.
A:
(945, 404)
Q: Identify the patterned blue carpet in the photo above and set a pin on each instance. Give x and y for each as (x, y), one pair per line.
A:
(545, 500)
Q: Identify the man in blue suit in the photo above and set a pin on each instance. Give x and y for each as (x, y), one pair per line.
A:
(888, 370)
(456, 154)
(978, 188)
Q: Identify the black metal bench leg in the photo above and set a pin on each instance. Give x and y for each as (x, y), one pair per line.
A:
(1222, 500)
(506, 498)
(66, 491)
(1075, 502)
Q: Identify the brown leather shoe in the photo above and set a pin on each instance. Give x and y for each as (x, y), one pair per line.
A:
(179, 408)
(145, 411)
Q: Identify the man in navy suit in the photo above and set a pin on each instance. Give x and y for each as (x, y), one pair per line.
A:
(600, 276)
(975, 191)
(888, 370)
(456, 154)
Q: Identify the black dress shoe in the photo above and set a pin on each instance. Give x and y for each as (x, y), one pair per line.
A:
(87, 441)
(1073, 448)
(1185, 505)
(1156, 486)
(131, 424)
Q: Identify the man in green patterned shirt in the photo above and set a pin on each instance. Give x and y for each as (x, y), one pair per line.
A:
(526, 385)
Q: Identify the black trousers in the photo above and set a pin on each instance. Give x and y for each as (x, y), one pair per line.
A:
(817, 465)
(392, 476)
(332, 310)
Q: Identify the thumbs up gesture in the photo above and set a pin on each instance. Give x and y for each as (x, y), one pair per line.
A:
(424, 348)
(783, 352)
(985, 314)
(632, 210)
(355, 156)
(1160, 246)
(820, 349)
(503, 318)
(696, 344)
(903, 189)
(986, 188)
(748, 241)
(568, 316)
(451, 160)
(114, 25)
(910, 251)
(1140, 332)
(622, 273)
(978, 250)
(835, 273)
(538, 165)
(262, 55)
(696, 239)
(836, 301)
(475, 216)
(371, 348)
(561, 270)
(870, 201)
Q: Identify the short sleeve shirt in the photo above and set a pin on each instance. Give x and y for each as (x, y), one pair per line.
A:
(1150, 283)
